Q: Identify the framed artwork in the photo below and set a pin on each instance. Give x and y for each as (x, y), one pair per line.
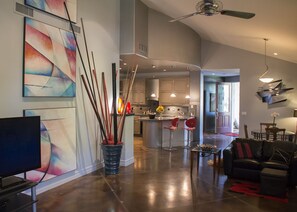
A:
(58, 142)
(212, 102)
(49, 65)
(56, 7)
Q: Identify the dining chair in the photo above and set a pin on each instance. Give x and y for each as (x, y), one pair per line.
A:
(263, 126)
(274, 133)
(246, 131)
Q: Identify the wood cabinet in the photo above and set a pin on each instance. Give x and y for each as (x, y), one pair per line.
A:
(137, 95)
(179, 86)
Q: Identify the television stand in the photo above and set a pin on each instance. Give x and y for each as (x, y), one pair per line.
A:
(11, 196)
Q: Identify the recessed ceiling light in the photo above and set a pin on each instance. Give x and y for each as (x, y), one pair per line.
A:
(275, 53)
(124, 64)
(120, 68)
(153, 66)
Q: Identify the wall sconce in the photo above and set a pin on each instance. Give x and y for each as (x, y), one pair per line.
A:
(188, 97)
(264, 78)
(172, 95)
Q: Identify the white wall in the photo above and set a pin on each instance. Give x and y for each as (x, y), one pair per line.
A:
(102, 25)
(251, 65)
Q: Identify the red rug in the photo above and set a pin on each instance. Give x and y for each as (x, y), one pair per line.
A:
(253, 189)
(231, 134)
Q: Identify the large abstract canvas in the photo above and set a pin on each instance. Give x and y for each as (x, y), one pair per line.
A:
(49, 61)
(55, 7)
(58, 142)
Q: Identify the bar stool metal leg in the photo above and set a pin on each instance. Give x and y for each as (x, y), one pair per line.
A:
(188, 146)
(170, 148)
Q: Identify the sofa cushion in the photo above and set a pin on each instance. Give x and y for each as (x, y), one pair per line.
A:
(247, 164)
(281, 156)
(275, 165)
(247, 148)
(268, 148)
(242, 150)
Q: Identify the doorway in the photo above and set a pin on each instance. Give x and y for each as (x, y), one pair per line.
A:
(221, 104)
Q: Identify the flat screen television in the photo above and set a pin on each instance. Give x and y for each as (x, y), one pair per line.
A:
(19, 145)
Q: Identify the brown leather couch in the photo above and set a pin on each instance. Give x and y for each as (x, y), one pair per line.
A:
(245, 158)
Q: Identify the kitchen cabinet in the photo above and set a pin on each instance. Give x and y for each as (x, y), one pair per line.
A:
(137, 95)
(136, 125)
(179, 86)
(166, 85)
(138, 92)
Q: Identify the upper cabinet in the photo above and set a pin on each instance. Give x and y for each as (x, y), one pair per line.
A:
(137, 95)
(178, 86)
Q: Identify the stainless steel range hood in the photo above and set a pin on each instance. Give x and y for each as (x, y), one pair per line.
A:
(152, 89)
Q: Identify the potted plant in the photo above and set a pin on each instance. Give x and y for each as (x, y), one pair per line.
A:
(160, 109)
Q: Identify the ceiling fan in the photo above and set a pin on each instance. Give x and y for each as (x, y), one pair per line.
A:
(214, 7)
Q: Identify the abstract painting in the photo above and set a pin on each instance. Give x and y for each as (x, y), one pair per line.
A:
(58, 142)
(273, 92)
(55, 7)
(49, 61)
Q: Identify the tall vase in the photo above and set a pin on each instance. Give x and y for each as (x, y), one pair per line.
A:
(112, 156)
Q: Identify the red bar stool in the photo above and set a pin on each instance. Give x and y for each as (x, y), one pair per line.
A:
(190, 127)
(172, 128)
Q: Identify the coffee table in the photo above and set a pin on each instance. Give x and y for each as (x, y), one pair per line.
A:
(216, 152)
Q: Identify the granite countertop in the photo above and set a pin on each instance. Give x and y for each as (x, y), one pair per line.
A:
(164, 118)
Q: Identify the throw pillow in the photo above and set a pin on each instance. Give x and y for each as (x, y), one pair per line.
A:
(243, 150)
(281, 156)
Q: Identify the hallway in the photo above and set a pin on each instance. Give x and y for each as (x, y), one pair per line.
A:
(158, 181)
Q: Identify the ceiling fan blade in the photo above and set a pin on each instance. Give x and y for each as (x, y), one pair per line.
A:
(238, 14)
(184, 16)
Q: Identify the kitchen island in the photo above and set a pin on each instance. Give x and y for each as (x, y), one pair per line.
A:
(154, 135)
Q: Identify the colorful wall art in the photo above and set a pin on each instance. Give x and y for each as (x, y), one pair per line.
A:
(55, 7)
(58, 142)
(49, 61)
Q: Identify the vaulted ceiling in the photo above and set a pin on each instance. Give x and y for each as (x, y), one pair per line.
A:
(275, 20)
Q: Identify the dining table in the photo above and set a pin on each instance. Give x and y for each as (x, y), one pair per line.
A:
(258, 134)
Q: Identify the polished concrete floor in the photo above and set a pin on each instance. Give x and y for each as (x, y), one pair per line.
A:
(158, 181)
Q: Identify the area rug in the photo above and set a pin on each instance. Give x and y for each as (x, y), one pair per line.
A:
(231, 134)
(253, 189)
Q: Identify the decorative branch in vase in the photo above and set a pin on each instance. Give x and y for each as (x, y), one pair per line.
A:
(106, 116)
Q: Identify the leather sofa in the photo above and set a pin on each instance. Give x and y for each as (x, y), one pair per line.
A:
(245, 158)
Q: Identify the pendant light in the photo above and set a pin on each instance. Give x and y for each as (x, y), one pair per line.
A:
(264, 78)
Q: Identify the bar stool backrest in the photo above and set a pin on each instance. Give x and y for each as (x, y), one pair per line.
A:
(191, 122)
(174, 122)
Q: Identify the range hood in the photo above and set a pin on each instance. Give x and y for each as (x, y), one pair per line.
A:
(152, 89)
(147, 37)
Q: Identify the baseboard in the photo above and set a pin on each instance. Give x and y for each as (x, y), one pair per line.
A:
(58, 181)
(127, 162)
